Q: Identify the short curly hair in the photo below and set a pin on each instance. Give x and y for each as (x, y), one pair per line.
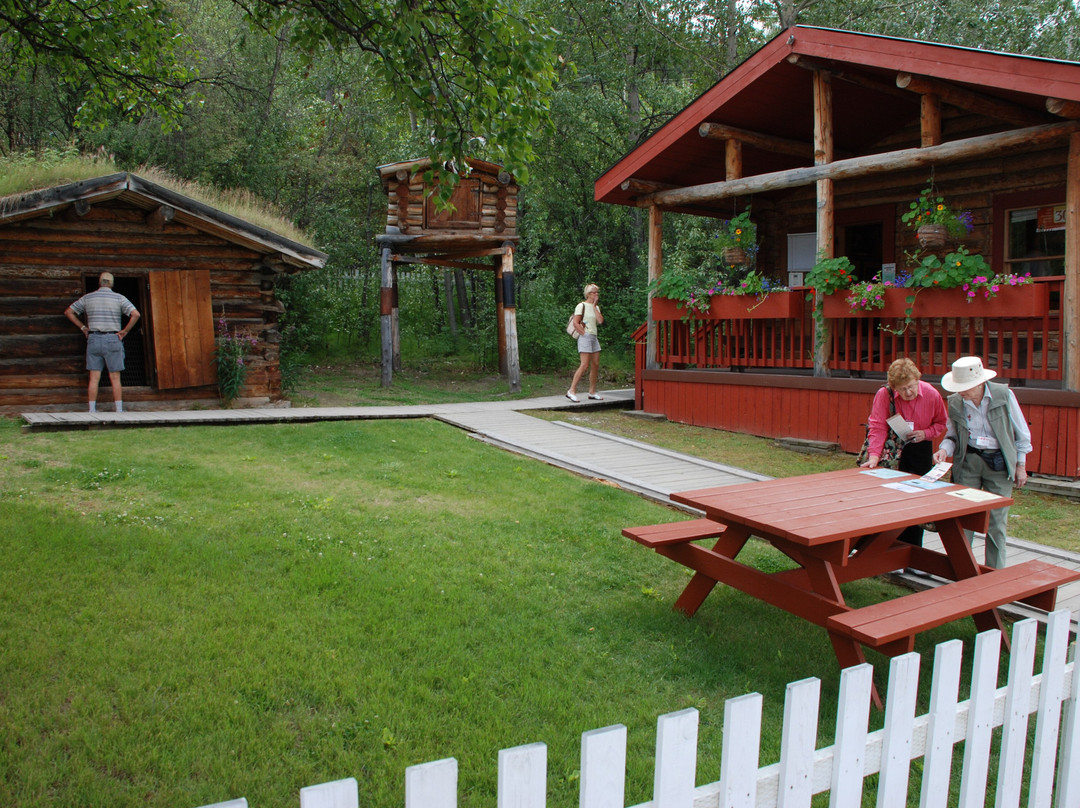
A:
(901, 372)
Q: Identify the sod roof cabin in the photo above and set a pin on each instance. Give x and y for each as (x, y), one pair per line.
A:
(184, 264)
(477, 231)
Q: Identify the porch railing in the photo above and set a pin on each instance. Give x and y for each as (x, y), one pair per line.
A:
(1021, 348)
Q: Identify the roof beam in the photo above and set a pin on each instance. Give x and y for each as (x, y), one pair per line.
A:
(850, 78)
(900, 160)
(644, 186)
(970, 101)
(1063, 108)
(719, 131)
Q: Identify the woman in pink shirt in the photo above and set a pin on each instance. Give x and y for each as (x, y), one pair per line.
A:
(921, 405)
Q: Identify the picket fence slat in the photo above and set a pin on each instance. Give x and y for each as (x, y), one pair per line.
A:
(899, 729)
(523, 777)
(851, 736)
(603, 764)
(432, 785)
(739, 761)
(335, 794)
(1051, 696)
(1017, 711)
(676, 760)
(980, 719)
(804, 771)
(940, 724)
(798, 744)
(1068, 790)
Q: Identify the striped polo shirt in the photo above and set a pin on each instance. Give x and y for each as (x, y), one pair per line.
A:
(103, 309)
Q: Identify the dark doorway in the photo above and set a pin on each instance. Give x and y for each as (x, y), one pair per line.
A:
(136, 370)
(863, 245)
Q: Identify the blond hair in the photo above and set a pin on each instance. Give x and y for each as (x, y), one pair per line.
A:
(591, 287)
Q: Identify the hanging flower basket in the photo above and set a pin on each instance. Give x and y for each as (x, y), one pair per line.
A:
(933, 236)
(734, 256)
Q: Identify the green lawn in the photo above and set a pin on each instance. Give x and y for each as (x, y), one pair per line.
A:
(193, 614)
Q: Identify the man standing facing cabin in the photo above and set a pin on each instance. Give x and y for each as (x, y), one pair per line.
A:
(104, 310)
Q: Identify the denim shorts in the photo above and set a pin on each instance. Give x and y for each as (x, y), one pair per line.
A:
(104, 351)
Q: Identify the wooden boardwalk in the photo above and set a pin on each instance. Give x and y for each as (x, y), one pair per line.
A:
(646, 470)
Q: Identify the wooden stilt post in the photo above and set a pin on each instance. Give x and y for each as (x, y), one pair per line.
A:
(500, 312)
(395, 327)
(386, 317)
(513, 364)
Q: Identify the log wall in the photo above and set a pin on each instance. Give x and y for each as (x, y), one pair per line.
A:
(407, 212)
(44, 264)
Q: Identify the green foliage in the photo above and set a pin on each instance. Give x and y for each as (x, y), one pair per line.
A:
(830, 275)
(126, 56)
(474, 71)
(739, 232)
(231, 347)
(955, 269)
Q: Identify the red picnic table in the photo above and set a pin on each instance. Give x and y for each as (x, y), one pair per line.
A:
(842, 526)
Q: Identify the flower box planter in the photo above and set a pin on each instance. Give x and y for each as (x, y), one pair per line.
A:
(773, 306)
(1027, 300)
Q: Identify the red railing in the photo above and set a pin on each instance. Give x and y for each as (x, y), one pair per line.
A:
(1022, 347)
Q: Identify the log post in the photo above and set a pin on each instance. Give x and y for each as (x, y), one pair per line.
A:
(823, 154)
(1070, 298)
(930, 119)
(500, 312)
(513, 362)
(732, 159)
(386, 317)
(656, 258)
(394, 322)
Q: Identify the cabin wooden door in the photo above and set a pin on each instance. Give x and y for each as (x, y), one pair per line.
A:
(182, 323)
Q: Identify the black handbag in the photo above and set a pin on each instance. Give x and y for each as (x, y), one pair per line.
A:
(890, 452)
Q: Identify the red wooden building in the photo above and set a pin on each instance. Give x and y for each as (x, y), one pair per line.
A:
(185, 266)
(828, 136)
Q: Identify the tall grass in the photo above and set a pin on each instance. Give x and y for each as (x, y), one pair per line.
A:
(194, 614)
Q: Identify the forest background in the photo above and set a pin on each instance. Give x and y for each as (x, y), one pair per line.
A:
(299, 101)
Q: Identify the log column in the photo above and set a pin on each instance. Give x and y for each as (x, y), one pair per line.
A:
(513, 363)
(823, 154)
(1070, 299)
(656, 258)
(386, 317)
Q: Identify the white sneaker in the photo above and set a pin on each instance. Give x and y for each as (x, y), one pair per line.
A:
(572, 397)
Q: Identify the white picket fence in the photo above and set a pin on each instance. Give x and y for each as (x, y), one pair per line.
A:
(803, 771)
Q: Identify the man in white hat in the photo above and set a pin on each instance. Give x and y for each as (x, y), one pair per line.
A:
(988, 439)
(104, 335)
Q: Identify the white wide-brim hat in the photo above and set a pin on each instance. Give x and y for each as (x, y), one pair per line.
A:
(967, 372)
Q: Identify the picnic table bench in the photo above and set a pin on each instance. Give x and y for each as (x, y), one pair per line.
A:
(843, 526)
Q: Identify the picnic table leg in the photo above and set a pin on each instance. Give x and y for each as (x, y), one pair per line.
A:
(849, 654)
(955, 542)
(728, 545)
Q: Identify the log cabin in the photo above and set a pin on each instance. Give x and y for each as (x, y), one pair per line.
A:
(477, 231)
(828, 136)
(189, 268)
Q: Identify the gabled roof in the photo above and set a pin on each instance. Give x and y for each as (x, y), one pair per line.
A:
(149, 196)
(770, 94)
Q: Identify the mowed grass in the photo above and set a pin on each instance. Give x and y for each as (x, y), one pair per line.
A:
(194, 614)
